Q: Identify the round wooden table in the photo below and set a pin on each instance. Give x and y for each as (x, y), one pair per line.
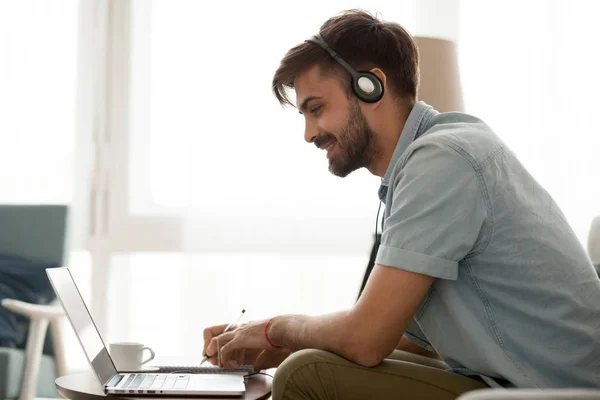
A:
(85, 386)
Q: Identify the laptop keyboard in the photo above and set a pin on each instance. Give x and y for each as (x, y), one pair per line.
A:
(152, 382)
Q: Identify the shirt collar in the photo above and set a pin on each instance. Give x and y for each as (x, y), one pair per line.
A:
(415, 125)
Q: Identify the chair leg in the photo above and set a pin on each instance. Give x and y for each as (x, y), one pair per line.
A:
(59, 348)
(35, 346)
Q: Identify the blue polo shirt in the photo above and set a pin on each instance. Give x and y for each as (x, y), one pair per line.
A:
(517, 300)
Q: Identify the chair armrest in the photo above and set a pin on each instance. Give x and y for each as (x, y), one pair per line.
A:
(532, 394)
(39, 318)
(33, 311)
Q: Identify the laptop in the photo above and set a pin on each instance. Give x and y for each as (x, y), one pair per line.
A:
(115, 382)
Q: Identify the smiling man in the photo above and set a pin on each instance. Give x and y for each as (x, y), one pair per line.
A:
(478, 266)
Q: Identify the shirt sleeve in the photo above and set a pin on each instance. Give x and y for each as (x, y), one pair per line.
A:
(437, 211)
(414, 333)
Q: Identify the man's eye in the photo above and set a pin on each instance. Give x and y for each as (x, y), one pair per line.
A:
(315, 109)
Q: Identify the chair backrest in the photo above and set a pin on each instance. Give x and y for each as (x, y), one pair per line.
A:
(34, 232)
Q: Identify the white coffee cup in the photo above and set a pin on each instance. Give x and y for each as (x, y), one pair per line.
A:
(127, 356)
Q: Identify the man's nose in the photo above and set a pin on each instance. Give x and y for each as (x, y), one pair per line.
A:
(310, 132)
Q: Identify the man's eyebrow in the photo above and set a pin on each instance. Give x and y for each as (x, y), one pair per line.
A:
(306, 101)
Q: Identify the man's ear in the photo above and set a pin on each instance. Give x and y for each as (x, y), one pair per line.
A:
(383, 78)
(381, 75)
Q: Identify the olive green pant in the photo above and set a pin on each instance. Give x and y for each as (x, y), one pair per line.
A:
(318, 374)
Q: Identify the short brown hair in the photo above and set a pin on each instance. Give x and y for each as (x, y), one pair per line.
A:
(365, 42)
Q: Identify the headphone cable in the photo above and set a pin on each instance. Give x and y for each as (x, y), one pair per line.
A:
(377, 218)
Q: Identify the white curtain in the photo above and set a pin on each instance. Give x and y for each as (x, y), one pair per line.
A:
(38, 67)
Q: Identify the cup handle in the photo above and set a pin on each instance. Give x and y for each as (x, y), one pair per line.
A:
(151, 355)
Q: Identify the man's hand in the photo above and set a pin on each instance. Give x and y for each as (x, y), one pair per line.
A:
(209, 334)
(243, 345)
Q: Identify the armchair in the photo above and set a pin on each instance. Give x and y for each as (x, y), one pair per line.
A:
(37, 234)
(531, 394)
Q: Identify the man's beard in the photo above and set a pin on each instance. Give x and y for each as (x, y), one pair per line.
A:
(355, 144)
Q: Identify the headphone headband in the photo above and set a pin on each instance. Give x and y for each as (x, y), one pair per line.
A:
(365, 85)
(318, 40)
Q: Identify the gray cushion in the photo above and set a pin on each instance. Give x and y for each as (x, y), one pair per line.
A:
(12, 362)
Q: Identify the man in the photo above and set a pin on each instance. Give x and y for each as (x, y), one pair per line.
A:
(477, 263)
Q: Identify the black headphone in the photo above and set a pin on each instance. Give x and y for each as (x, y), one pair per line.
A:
(365, 85)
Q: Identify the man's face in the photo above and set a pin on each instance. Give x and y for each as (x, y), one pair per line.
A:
(334, 121)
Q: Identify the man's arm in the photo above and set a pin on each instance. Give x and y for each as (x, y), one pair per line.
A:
(368, 332)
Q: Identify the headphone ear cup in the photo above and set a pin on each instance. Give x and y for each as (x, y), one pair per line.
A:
(367, 87)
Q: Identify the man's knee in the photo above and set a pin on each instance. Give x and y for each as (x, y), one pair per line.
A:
(298, 375)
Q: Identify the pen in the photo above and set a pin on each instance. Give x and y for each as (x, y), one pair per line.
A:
(227, 329)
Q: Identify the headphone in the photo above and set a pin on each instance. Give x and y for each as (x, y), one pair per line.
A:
(365, 85)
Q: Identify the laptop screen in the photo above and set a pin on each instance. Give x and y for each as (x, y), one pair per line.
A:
(93, 346)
